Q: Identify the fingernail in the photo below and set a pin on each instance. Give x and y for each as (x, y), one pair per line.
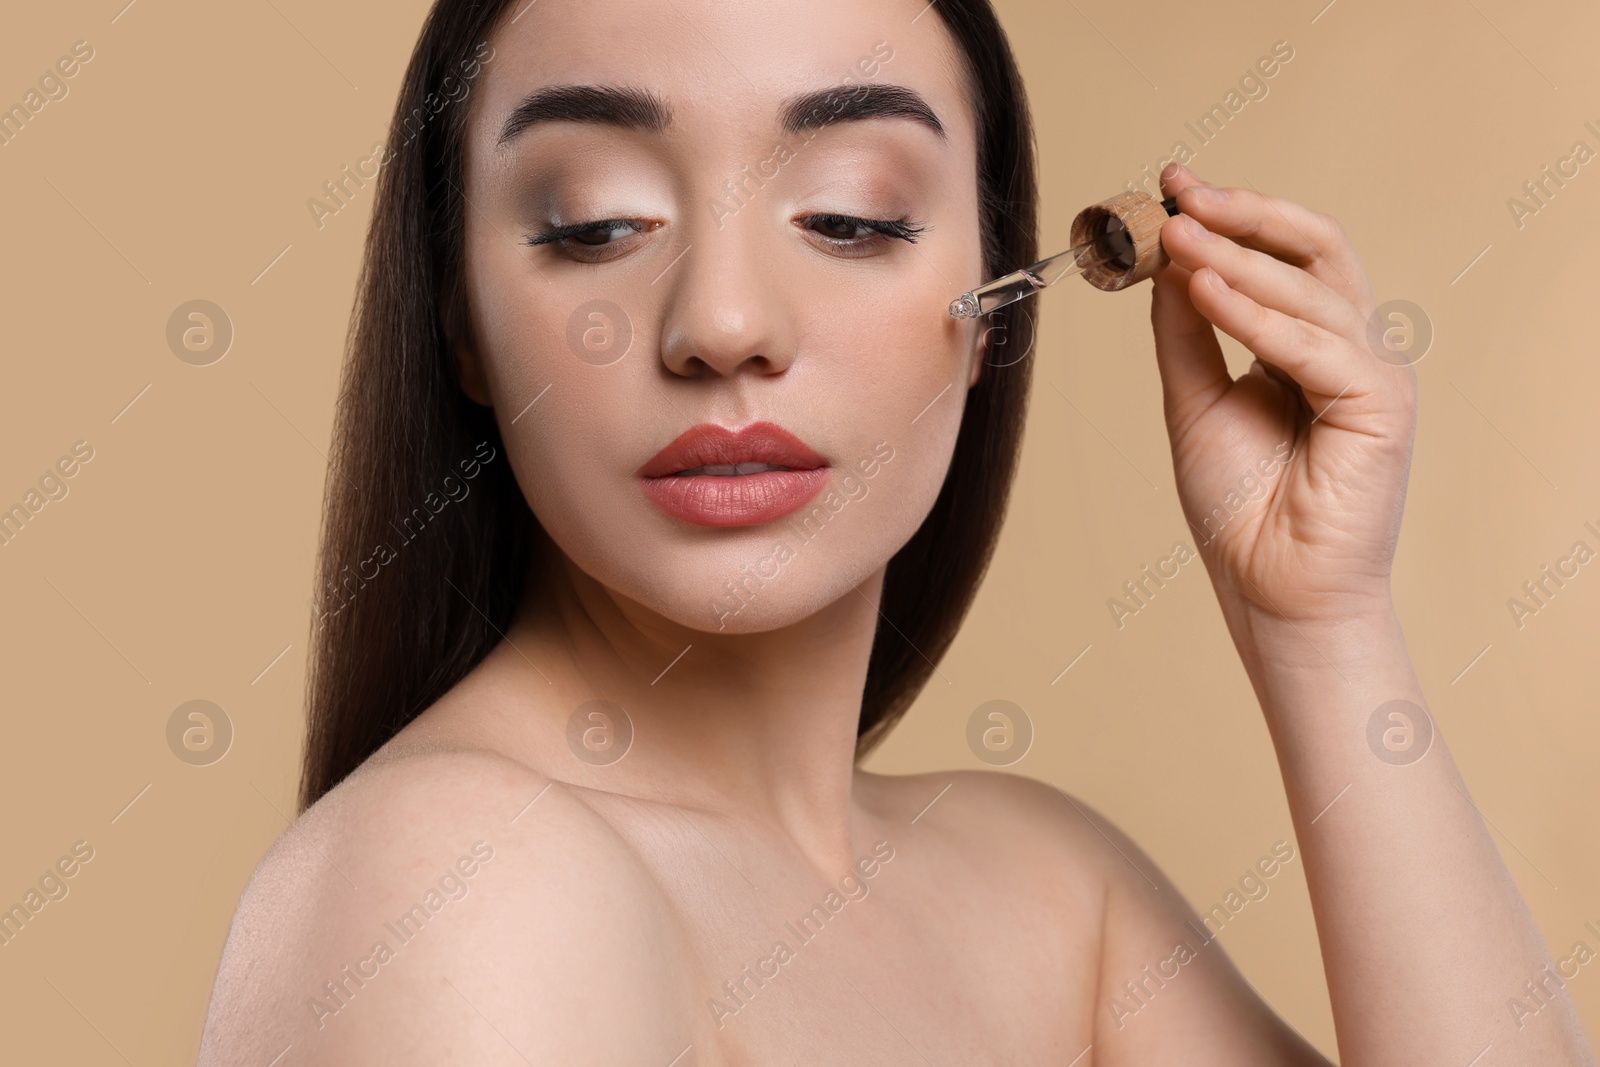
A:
(1170, 171)
(1216, 281)
(1207, 194)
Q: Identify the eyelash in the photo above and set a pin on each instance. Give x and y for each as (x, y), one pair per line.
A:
(898, 229)
(902, 229)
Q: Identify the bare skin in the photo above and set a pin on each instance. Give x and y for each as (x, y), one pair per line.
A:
(591, 912)
(619, 900)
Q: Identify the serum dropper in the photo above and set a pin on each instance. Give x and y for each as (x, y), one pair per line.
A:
(1114, 243)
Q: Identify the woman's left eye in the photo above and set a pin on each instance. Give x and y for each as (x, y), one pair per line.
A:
(857, 236)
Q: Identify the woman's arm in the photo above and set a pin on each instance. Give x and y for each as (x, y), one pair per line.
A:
(1426, 941)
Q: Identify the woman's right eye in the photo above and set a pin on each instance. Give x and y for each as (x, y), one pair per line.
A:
(582, 240)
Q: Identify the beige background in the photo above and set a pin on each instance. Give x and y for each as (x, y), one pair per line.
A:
(178, 567)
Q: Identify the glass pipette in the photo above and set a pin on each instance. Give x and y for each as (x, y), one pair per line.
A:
(1111, 244)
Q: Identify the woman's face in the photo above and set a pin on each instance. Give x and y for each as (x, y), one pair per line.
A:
(712, 280)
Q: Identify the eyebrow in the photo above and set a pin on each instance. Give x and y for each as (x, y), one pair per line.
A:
(628, 107)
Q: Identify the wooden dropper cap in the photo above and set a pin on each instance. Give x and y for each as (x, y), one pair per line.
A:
(1125, 232)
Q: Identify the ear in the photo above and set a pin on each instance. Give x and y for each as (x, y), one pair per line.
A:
(469, 367)
(469, 370)
(980, 356)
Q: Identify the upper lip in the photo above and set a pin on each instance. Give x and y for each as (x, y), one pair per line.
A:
(710, 443)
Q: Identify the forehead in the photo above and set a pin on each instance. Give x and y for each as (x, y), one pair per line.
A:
(724, 68)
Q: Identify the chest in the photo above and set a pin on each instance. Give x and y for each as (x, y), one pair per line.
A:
(913, 956)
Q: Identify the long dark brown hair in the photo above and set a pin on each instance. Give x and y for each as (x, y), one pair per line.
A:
(427, 540)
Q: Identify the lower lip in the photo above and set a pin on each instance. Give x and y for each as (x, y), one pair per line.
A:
(734, 500)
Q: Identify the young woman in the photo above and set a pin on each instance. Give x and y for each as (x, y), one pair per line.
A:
(662, 480)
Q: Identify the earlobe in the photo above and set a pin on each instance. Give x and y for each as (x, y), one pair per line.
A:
(980, 357)
(463, 352)
(469, 370)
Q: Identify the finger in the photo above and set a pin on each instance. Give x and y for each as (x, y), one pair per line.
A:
(1324, 365)
(1188, 355)
(1177, 177)
(1280, 228)
(1265, 279)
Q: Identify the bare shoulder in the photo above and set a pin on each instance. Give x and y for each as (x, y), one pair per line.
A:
(437, 906)
(1157, 985)
(1002, 816)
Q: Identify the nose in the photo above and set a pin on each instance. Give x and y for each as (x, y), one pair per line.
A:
(725, 311)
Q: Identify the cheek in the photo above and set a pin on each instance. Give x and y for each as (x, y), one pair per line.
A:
(575, 449)
(888, 351)
(900, 375)
(568, 417)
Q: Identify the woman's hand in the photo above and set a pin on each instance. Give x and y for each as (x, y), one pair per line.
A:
(1292, 477)
(1302, 572)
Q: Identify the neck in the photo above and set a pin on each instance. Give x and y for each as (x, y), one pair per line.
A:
(750, 726)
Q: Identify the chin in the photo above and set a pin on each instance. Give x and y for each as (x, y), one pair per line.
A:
(773, 583)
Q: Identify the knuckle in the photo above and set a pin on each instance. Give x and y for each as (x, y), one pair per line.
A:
(1306, 336)
(1253, 222)
(1330, 229)
(1261, 323)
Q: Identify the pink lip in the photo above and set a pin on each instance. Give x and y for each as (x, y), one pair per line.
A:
(733, 500)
